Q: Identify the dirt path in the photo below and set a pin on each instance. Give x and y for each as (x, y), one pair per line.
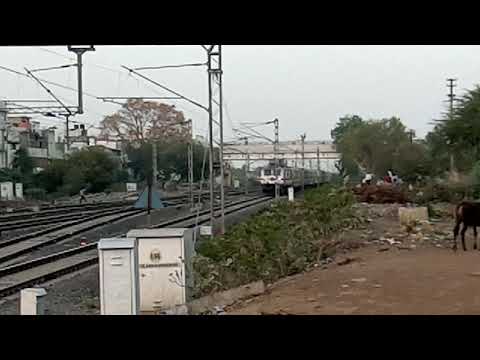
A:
(425, 279)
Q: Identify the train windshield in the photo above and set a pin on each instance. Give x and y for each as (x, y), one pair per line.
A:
(267, 172)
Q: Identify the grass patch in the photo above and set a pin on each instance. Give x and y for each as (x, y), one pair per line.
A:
(281, 241)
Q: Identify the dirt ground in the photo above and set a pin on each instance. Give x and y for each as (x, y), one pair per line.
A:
(393, 273)
(382, 269)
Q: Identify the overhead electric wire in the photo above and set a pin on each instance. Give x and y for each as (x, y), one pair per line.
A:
(101, 66)
(169, 66)
(54, 84)
(49, 91)
(165, 88)
(54, 68)
(48, 82)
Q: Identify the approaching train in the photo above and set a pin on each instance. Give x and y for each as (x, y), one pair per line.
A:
(285, 177)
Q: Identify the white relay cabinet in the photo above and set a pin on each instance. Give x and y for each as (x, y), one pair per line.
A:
(119, 281)
(19, 190)
(165, 267)
(6, 190)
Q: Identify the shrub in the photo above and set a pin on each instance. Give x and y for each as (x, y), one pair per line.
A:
(447, 192)
(35, 194)
(283, 240)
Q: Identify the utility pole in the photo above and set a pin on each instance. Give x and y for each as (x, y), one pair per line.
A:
(451, 95)
(411, 133)
(276, 160)
(247, 165)
(67, 133)
(149, 190)
(211, 149)
(154, 163)
(303, 161)
(3, 128)
(80, 50)
(190, 164)
(318, 166)
(214, 72)
(222, 168)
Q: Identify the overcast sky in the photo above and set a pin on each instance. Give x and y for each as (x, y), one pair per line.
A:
(307, 87)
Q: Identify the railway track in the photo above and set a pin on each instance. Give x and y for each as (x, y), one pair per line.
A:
(47, 220)
(15, 247)
(10, 223)
(16, 277)
(60, 211)
(28, 213)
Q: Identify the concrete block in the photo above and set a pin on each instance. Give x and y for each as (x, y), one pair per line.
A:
(291, 194)
(225, 298)
(31, 302)
(409, 215)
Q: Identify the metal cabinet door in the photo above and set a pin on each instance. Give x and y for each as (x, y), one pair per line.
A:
(162, 277)
(117, 282)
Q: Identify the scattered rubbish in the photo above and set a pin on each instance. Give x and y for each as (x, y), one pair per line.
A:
(383, 249)
(408, 216)
(360, 280)
(390, 241)
(345, 286)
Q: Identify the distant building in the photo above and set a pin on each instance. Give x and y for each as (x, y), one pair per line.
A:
(20, 132)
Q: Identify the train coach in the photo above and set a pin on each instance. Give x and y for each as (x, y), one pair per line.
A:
(285, 177)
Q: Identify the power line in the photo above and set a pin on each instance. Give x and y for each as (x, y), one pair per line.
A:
(54, 68)
(49, 91)
(48, 82)
(54, 84)
(169, 66)
(165, 88)
(100, 66)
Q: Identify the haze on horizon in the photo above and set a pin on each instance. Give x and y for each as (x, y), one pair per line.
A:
(308, 87)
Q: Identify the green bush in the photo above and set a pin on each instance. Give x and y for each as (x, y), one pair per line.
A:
(451, 193)
(475, 176)
(118, 188)
(35, 194)
(279, 242)
(73, 181)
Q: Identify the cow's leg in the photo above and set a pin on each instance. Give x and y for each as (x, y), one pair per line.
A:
(474, 238)
(464, 230)
(455, 235)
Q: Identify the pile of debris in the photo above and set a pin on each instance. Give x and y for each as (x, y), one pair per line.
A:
(415, 229)
(375, 211)
(381, 194)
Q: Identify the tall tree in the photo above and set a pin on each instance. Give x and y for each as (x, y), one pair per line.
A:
(344, 125)
(171, 159)
(139, 120)
(377, 146)
(347, 164)
(463, 129)
(23, 162)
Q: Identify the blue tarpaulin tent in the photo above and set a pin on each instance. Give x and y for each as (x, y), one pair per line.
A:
(142, 202)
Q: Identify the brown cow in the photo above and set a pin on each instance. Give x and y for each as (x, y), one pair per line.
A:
(468, 213)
